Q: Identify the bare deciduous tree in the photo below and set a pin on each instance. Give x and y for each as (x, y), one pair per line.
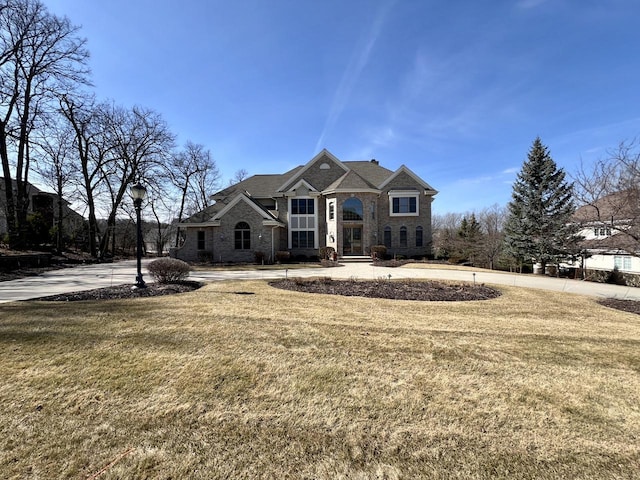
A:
(40, 54)
(239, 176)
(492, 223)
(445, 230)
(56, 166)
(193, 172)
(141, 140)
(204, 184)
(161, 203)
(452, 239)
(92, 151)
(609, 192)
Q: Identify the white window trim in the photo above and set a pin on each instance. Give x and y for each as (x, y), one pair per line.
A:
(403, 194)
(315, 221)
(622, 262)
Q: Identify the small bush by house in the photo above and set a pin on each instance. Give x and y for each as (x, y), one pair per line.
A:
(260, 257)
(378, 252)
(169, 270)
(326, 253)
(283, 256)
(616, 277)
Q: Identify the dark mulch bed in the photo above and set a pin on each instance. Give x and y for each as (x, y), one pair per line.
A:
(631, 306)
(396, 290)
(125, 291)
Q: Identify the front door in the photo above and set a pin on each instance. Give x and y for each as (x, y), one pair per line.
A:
(352, 241)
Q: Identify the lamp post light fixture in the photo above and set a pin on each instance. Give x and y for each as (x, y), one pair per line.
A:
(138, 192)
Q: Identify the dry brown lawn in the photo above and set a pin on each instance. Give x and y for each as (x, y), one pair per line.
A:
(242, 380)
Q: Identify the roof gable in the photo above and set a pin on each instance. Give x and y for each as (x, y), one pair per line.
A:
(321, 159)
(403, 169)
(370, 170)
(302, 188)
(243, 197)
(350, 181)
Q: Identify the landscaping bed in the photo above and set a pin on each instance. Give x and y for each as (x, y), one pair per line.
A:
(631, 306)
(125, 291)
(396, 289)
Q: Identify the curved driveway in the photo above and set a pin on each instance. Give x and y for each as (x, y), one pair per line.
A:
(87, 277)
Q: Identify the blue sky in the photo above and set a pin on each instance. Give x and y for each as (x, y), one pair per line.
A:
(456, 90)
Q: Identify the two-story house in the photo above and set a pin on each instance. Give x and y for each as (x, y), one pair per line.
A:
(46, 205)
(610, 232)
(349, 206)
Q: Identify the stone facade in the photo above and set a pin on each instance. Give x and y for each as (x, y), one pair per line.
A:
(346, 205)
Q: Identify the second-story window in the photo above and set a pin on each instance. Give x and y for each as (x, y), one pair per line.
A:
(352, 210)
(302, 223)
(404, 203)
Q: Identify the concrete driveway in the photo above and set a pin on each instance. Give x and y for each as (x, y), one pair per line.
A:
(87, 277)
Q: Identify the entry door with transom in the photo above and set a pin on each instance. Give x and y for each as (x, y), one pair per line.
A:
(352, 241)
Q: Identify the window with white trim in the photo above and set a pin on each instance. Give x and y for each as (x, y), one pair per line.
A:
(404, 203)
(303, 239)
(302, 223)
(622, 262)
(602, 231)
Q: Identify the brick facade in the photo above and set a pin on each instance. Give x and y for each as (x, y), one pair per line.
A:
(263, 202)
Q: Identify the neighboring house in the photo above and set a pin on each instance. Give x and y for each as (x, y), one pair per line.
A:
(349, 206)
(46, 204)
(606, 226)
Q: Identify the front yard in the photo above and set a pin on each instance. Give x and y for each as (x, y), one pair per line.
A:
(243, 380)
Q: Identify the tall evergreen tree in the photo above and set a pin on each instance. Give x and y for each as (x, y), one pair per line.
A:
(539, 226)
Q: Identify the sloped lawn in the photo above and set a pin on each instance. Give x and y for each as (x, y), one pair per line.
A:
(244, 380)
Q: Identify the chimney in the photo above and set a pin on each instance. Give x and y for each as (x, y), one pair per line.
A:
(374, 161)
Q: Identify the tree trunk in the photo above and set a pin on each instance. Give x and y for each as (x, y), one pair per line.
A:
(543, 267)
(10, 206)
(60, 223)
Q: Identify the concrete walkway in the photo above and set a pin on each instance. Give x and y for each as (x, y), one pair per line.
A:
(87, 277)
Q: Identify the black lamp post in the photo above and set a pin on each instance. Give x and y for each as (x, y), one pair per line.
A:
(138, 193)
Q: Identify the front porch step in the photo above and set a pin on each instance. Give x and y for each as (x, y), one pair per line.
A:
(355, 259)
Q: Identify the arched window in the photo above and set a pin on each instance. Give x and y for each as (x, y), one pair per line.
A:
(403, 236)
(418, 236)
(352, 210)
(387, 237)
(242, 235)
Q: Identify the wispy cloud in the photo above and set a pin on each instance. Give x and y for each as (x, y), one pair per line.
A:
(358, 61)
(449, 95)
(530, 3)
(503, 176)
